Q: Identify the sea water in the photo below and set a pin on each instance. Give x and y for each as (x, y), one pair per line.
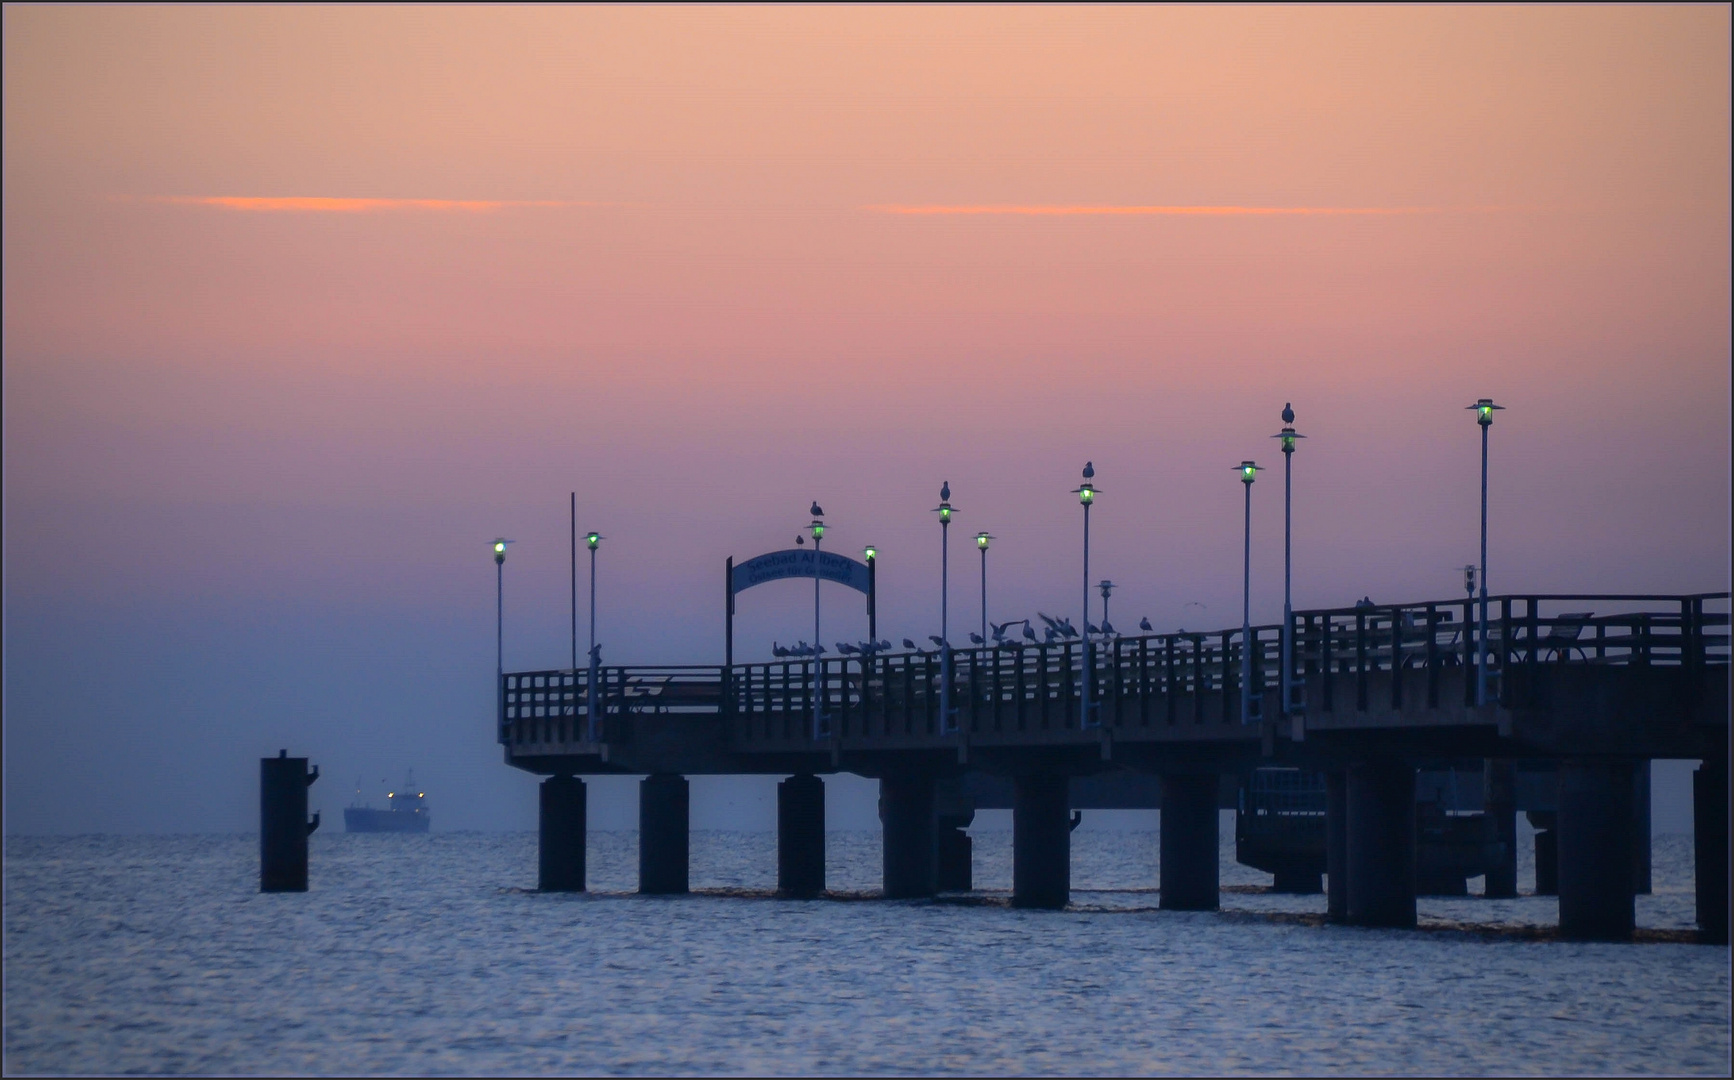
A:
(434, 954)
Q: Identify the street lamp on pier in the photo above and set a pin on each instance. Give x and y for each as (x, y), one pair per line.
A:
(591, 708)
(1248, 473)
(944, 510)
(1086, 493)
(499, 546)
(1288, 437)
(1107, 588)
(818, 529)
(1484, 410)
(981, 541)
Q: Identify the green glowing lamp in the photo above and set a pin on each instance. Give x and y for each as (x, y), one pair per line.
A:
(592, 538)
(870, 552)
(499, 546)
(944, 509)
(818, 530)
(1248, 472)
(1484, 411)
(1086, 491)
(981, 539)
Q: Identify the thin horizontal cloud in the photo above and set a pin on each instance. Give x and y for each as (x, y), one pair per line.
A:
(1175, 211)
(320, 204)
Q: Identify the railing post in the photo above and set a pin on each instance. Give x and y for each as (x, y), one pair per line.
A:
(1505, 649)
(1397, 659)
(1168, 682)
(1327, 663)
(1432, 656)
(1230, 672)
(1114, 673)
(1144, 682)
(1198, 679)
(1469, 654)
(1360, 661)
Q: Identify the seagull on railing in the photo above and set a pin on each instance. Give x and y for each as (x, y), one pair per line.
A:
(882, 646)
(976, 639)
(938, 641)
(1108, 629)
(907, 644)
(846, 649)
(1030, 631)
(1067, 629)
(1053, 635)
(801, 649)
(1092, 628)
(1144, 625)
(778, 650)
(1053, 623)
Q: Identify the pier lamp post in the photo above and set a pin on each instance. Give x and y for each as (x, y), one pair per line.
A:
(870, 555)
(591, 540)
(1086, 493)
(1483, 410)
(818, 528)
(981, 541)
(1248, 473)
(944, 510)
(1107, 588)
(1288, 437)
(499, 546)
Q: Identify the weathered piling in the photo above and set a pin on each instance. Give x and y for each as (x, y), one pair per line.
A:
(1041, 841)
(956, 872)
(562, 839)
(1595, 850)
(1499, 776)
(1710, 848)
(1381, 844)
(1189, 870)
(664, 812)
(910, 828)
(1337, 846)
(283, 824)
(801, 836)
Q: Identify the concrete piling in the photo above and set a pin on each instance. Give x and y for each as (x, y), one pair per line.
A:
(1595, 850)
(801, 836)
(663, 823)
(1381, 844)
(1546, 852)
(910, 827)
(1337, 846)
(1041, 841)
(1499, 777)
(1190, 860)
(562, 823)
(956, 852)
(1710, 849)
(283, 824)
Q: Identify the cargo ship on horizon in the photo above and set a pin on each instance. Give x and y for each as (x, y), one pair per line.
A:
(407, 811)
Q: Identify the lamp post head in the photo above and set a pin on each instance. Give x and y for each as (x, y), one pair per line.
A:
(870, 552)
(1087, 491)
(1484, 411)
(1469, 578)
(818, 528)
(1287, 434)
(944, 509)
(593, 538)
(981, 539)
(1248, 472)
(1107, 587)
(499, 546)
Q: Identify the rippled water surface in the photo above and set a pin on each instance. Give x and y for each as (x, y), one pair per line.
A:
(430, 954)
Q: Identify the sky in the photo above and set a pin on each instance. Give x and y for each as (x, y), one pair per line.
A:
(303, 306)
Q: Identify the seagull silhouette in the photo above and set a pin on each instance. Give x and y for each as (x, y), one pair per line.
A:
(1052, 635)
(1067, 628)
(1108, 629)
(975, 638)
(907, 644)
(937, 640)
(1053, 623)
(1029, 631)
(999, 628)
(1092, 628)
(846, 649)
(778, 650)
(945, 491)
(815, 511)
(1144, 625)
(1288, 413)
(1089, 470)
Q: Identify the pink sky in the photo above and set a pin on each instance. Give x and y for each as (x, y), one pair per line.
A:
(301, 305)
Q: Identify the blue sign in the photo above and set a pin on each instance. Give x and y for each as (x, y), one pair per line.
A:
(798, 563)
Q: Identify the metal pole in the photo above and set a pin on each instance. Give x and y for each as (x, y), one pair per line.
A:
(818, 657)
(593, 706)
(984, 594)
(574, 582)
(944, 631)
(1287, 606)
(1481, 634)
(1084, 654)
(500, 619)
(1246, 616)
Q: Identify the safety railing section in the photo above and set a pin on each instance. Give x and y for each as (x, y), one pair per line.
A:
(1402, 657)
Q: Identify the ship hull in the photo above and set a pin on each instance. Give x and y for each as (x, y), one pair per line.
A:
(357, 819)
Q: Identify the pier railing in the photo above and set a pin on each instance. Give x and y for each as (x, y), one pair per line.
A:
(1382, 657)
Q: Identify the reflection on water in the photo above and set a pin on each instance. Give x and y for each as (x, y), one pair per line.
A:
(431, 954)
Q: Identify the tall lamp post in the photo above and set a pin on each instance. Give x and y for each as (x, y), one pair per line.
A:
(981, 541)
(1086, 493)
(1288, 437)
(944, 510)
(818, 527)
(1483, 410)
(592, 705)
(499, 546)
(1248, 473)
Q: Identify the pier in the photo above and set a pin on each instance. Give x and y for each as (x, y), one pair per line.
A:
(1587, 687)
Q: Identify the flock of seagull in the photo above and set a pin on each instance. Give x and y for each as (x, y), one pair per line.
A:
(1056, 630)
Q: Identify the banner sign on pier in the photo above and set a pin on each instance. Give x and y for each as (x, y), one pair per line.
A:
(798, 563)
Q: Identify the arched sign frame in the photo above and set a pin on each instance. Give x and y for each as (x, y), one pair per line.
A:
(797, 563)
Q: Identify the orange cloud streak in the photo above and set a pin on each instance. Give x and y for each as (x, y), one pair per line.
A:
(316, 204)
(1198, 211)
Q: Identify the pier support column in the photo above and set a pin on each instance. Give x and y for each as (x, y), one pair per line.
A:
(956, 853)
(1041, 841)
(1190, 851)
(562, 824)
(1595, 850)
(1710, 849)
(1381, 844)
(1641, 829)
(283, 824)
(906, 814)
(1499, 779)
(1546, 823)
(663, 810)
(1337, 846)
(801, 836)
